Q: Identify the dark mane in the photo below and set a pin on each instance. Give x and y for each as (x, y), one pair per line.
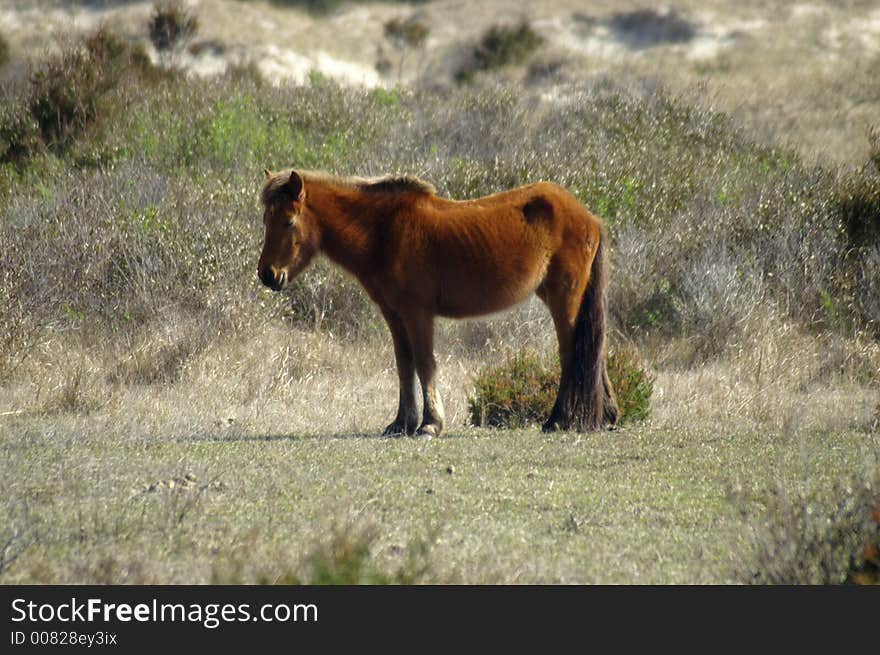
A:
(275, 188)
(397, 184)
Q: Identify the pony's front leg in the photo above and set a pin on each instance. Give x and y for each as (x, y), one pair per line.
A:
(420, 328)
(407, 418)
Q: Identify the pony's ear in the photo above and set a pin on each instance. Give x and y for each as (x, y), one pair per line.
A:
(295, 185)
(267, 173)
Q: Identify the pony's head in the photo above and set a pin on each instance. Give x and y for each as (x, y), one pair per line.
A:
(291, 234)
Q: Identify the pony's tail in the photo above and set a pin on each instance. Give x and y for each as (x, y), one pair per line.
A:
(593, 404)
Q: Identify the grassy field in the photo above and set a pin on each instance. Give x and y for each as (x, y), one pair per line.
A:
(657, 504)
(164, 418)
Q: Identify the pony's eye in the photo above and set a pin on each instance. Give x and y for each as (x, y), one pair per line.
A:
(289, 223)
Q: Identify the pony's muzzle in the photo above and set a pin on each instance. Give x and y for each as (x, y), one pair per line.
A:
(275, 280)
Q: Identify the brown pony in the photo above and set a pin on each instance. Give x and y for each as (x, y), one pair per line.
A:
(419, 256)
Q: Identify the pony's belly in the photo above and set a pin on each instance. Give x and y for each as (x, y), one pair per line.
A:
(485, 294)
(464, 310)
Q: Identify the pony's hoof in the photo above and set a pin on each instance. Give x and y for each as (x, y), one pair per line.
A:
(394, 430)
(399, 429)
(550, 426)
(427, 432)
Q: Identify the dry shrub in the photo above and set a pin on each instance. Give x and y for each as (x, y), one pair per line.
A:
(713, 237)
(171, 25)
(858, 202)
(800, 541)
(68, 95)
(772, 371)
(345, 558)
(79, 391)
(326, 299)
(403, 35)
(161, 352)
(717, 299)
(410, 33)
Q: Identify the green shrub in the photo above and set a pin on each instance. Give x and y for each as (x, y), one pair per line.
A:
(500, 46)
(632, 383)
(521, 391)
(515, 394)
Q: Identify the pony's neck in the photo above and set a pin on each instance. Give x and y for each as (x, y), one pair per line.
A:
(344, 221)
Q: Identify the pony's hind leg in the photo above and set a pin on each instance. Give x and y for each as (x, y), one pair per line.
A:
(576, 297)
(563, 308)
(420, 328)
(407, 419)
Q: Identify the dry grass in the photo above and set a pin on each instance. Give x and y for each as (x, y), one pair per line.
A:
(279, 379)
(271, 435)
(776, 376)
